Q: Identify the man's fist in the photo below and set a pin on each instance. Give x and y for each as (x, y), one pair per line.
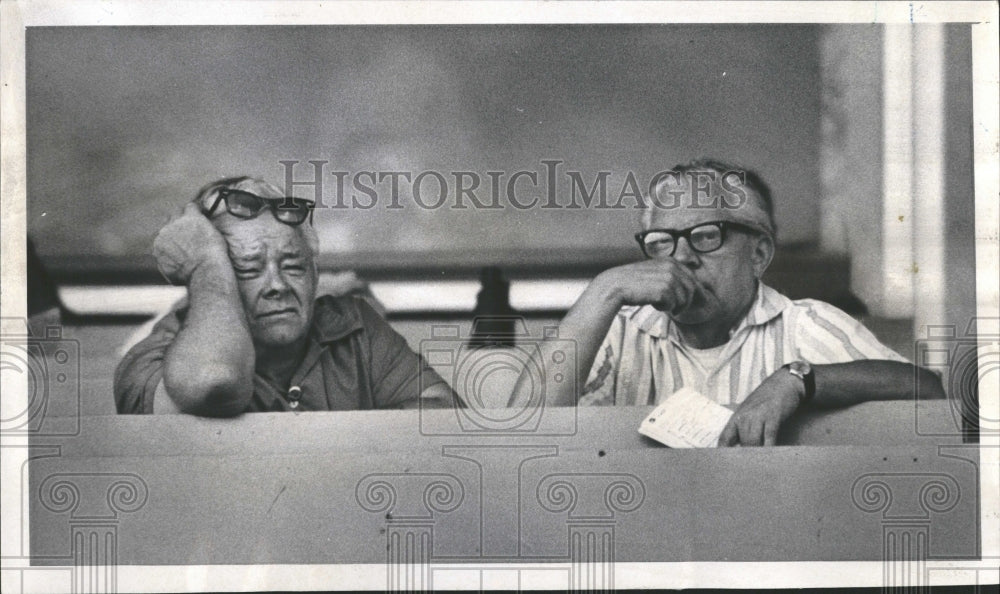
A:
(664, 284)
(758, 418)
(186, 242)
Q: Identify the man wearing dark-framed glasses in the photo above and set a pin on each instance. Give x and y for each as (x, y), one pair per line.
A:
(252, 336)
(694, 313)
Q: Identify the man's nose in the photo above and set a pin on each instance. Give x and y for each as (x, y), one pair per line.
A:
(276, 284)
(684, 254)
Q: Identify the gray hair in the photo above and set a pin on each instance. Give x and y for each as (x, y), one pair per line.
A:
(262, 188)
(748, 178)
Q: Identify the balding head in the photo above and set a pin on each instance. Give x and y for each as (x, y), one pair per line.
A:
(734, 193)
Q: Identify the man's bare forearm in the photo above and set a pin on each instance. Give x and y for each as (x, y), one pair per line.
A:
(844, 384)
(759, 416)
(585, 325)
(209, 367)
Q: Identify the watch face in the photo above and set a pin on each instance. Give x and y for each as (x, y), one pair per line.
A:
(800, 368)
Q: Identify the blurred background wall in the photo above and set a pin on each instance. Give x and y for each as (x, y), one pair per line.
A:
(124, 124)
(864, 133)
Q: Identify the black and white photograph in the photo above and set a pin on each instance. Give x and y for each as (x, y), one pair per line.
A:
(504, 295)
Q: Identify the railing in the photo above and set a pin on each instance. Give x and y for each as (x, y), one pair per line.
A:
(417, 492)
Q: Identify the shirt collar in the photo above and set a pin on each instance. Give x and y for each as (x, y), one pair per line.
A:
(335, 318)
(767, 305)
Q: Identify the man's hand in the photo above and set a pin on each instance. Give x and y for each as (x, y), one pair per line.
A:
(186, 242)
(758, 418)
(664, 284)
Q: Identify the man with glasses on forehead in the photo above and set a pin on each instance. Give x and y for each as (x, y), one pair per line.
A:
(251, 336)
(695, 314)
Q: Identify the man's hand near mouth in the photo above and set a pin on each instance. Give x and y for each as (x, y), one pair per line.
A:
(666, 284)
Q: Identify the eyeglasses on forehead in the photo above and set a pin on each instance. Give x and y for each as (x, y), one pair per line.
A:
(246, 205)
(703, 238)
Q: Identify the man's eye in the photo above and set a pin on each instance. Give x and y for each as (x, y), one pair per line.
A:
(246, 272)
(295, 268)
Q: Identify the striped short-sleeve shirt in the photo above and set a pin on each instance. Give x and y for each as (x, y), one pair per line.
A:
(643, 358)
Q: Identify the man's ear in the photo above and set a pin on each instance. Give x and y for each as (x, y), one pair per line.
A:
(763, 252)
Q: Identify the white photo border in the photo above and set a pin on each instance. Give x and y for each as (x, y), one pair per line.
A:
(16, 15)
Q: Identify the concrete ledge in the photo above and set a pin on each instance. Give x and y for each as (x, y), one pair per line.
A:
(336, 487)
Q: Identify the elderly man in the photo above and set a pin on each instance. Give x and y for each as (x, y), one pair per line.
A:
(251, 336)
(696, 314)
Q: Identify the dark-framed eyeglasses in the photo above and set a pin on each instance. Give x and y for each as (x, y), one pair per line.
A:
(245, 205)
(703, 238)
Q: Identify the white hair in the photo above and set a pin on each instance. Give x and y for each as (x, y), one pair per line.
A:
(749, 179)
(262, 188)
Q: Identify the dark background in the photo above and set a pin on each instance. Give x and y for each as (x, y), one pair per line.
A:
(125, 124)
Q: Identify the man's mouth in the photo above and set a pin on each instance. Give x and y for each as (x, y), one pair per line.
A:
(700, 296)
(277, 313)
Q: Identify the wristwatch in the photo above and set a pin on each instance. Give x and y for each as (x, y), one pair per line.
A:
(804, 372)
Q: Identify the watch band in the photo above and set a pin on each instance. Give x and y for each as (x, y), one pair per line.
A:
(804, 371)
(810, 382)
